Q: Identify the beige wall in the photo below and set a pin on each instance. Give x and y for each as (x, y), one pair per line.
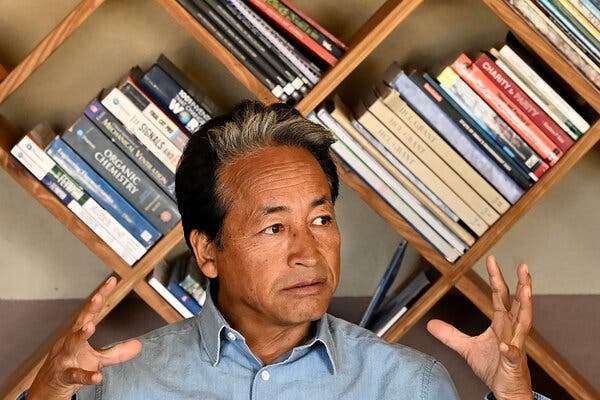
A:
(41, 259)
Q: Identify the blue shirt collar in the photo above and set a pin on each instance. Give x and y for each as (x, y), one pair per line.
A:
(213, 327)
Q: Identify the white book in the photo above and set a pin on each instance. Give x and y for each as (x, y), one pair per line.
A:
(158, 280)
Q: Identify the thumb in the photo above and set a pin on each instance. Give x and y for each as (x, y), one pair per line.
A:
(449, 335)
(120, 353)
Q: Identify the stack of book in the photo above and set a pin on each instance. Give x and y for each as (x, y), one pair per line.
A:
(115, 166)
(571, 26)
(452, 154)
(181, 284)
(284, 48)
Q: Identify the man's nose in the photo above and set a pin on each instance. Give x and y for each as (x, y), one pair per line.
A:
(303, 248)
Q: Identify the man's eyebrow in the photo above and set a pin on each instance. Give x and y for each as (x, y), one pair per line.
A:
(276, 209)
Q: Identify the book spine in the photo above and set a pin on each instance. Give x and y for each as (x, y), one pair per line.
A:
(437, 165)
(586, 9)
(511, 143)
(464, 67)
(311, 71)
(131, 146)
(187, 300)
(122, 173)
(585, 24)
(417, 167)
(391, 181)
(132, 119)
(103, 193)
(524, 103)
(173, 99)
(391, 198)
(457, 138)
(78, 193)
(399, 107)
(536, 83)
(461, 119)
(593, 6)
(154, 114)
(170, 298)
(314, 24)
(279, 20)
(307, 28)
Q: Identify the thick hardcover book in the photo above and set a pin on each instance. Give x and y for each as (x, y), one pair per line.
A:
(384, 284)
(423, 205)
(470, 218)
(511, 143)
(371, 178)
(311, 71)
(431, 159)
(396, 307)
(152, 112)
(134, 121)
(394, 102)
(159, 280)
(524, 102)
(122, 173)
(505, 107)
(293, 31)
(103, 193)
(55, 173)
(457, 138)
(560, 108)
(232, 47)
(131, 145)
(312, 32)
(461, 118)
(173, 99)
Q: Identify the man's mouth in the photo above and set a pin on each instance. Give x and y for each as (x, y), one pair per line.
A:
(307, 287)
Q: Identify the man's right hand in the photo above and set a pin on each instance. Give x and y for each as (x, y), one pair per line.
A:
(72, 362)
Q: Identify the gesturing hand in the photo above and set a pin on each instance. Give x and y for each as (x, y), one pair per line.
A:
(497, 356)
(72, 362)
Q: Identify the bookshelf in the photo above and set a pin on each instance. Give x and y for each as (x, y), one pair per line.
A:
(366, 39)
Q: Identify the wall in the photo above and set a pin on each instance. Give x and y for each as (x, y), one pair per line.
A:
(41, 259)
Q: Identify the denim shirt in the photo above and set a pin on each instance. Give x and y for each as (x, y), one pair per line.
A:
(204, 358)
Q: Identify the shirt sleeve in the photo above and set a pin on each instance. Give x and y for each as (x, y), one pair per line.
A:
(536, 396)
(439, 385)
(23, 396)
(88, 392)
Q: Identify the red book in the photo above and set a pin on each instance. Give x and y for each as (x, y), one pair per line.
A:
(282, 22)
(507, 110)
(524, 102)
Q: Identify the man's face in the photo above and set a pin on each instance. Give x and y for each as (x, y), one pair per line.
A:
(280, 260)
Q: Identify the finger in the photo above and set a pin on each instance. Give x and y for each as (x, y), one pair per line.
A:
(524, 317)
(120, 353)
(524, 279)
(95, 304)
(449, 335)
(78, 376)
(500, 294)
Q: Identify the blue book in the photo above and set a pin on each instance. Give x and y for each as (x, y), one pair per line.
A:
(185, 298)
(385, 283)
(454, 135)
(103, 193)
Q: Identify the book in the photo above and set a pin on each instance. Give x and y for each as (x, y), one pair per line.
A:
(391, 312)
(191, 278)
(507, 139)
(513, 116)
(132, 147)
(122, 173)
(470, 218)
(585, 8)
(385, 283)
(457, 138)
(591, 27)
(388, 195)
(176, 275)
(103, 193)
(394, 102)
(498, 77)
(427, 209)
(159, 280)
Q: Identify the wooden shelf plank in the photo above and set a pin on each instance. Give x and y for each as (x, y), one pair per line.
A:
(47, 46)
(369, 36)
(479, 293)
(220, 52)
(546, 51)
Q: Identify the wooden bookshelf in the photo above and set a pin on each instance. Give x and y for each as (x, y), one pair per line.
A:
(365, 41)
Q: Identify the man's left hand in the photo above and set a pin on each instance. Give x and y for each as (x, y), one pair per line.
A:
(497, 356)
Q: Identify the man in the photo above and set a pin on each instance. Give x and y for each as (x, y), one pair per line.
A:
(256, 193)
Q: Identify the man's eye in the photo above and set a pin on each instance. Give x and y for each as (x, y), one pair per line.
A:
(322, 220)
(273, 229)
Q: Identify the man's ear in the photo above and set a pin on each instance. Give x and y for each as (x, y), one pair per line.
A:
(205, 251)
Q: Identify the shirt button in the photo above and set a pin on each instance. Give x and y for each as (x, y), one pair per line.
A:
(265, 375)
(231, 336)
